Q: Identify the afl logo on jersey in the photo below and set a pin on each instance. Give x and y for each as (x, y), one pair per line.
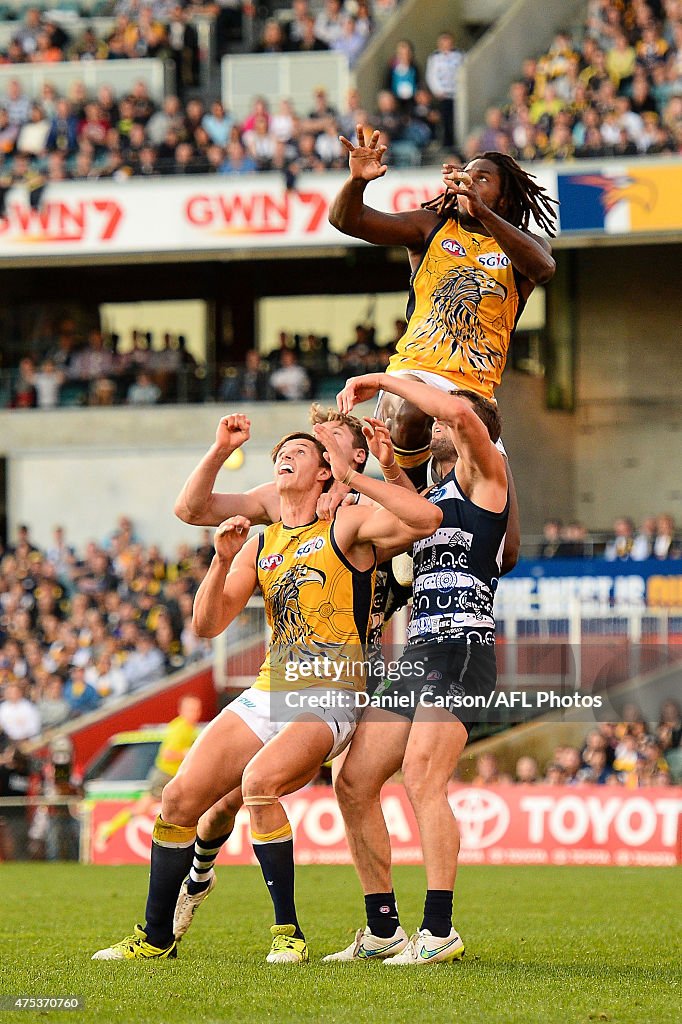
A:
(451, 246)
(493, 259)
(454, 247)
(316, 544)
(270, 561)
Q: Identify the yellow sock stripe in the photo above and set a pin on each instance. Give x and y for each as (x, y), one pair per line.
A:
(410, 459)
(270, 837)
(173, 836)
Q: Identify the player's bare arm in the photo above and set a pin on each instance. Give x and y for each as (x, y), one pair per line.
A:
(402, 516)
(230, 580)
(199, 505)
(530, 254)
(482, 470)
(348, 212)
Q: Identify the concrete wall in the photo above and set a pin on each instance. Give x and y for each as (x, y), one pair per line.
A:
(628, 452)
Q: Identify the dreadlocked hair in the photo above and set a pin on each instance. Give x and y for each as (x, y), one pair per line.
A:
(524, 197)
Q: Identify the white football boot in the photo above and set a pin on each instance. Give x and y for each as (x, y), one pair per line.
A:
(425, 948)
(186, 906)
(366, 946)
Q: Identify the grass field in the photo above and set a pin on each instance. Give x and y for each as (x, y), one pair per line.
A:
(555, 945)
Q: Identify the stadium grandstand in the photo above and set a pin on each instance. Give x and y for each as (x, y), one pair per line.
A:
(170, 177)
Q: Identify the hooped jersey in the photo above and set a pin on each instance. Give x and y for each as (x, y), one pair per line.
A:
(318, 607)
(456, 570)
(463, 306)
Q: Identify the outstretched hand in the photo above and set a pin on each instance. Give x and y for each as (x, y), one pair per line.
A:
(231, 536)
(379, 441)
(364, 160)
(338, 462)
(461, 183)
(358, 389)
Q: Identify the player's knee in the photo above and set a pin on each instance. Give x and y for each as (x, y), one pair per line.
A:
(420, 785)
(178, 803)
(257, 782)
(354, 793)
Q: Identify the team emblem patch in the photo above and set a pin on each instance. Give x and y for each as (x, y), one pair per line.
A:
(434, 675)
(451, 246)
(270, 561)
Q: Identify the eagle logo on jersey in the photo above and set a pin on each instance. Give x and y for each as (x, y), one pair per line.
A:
(454, 318)
(288, 622)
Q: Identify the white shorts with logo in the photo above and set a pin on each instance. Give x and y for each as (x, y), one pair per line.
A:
(442, 383)
(255, 709)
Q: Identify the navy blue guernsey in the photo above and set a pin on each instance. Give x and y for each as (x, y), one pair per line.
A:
(456, 571)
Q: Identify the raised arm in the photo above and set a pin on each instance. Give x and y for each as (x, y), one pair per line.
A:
(230, 580)
(401, 516)
(481, 460)
(349, 214)
(530, 254)
(199, 505)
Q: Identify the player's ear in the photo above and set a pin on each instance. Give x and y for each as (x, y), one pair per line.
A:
(360, 455)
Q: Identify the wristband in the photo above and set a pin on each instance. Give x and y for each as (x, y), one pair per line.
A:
(385, 468)
(350, 473)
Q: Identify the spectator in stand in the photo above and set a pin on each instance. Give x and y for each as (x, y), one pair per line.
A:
(573, 541)
(218, 124)
(551, 544)
(47, 381)
(330, 21)
(597, 772)
(92, 361)
(106, 678)
(442, 68)
(144, 391)
(643, 544)
(570, 761)
(307, 41)
(669, 730)
(620, 547)
(526, 770)
(145, 663)
(296, 26)
(31, 28)
(251, 384)
(273, 39)
(351, 42)
(307, 158)
(237, 160)
(290, 382)
(16, 103)
(19, 717)
(488, 772)
(24, 395)
(53, 707)
(184, 46)
(554, 775)
(666, 544)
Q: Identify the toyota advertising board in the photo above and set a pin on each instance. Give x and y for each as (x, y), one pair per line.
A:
(499, 825)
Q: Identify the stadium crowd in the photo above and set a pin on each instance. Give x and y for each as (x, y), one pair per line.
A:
(66, 370)
(657, 537)
(78, 629)
(614, 89)
(631, 753)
